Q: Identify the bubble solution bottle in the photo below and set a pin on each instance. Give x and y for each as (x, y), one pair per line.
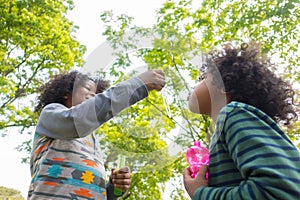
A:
(197, 156)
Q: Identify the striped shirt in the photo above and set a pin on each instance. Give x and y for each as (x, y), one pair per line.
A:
(250, 158)
(66, 161)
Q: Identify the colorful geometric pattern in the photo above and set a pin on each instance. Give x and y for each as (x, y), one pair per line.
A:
(67, 169)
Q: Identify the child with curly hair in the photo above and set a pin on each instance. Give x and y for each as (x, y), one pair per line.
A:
(66, 161)
(250, 155)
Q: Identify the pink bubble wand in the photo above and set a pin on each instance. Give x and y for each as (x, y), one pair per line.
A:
(197, 156)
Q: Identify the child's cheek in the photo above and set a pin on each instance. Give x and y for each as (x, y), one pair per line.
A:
(193, 103)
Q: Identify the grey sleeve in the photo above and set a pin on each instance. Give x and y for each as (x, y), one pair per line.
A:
(58, 121)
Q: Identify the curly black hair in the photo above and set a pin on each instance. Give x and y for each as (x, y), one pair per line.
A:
(62, 85)
(246, 77)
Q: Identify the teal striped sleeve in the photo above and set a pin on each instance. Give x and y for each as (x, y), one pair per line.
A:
(267, 160)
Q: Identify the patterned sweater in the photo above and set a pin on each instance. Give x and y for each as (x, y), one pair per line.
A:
(66, 161)
(250, 158)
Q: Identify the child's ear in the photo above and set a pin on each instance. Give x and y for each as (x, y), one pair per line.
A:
(67, 96)
(223, 91)
(67, 101)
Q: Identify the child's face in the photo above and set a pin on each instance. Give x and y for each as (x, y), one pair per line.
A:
(199, 100)
(206, 98)
(82, 93)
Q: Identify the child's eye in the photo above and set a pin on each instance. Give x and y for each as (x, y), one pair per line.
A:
(203, 68)
(201, 77)
(202, 71)
(88, 88)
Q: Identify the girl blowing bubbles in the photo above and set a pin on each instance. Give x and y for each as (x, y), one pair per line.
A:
(66, 161)
(250, 156)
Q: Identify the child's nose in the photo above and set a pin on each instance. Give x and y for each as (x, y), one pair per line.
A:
(188, 96)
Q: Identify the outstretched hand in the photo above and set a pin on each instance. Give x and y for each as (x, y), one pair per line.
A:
(121, 178)
(153, 79)
(192, 184)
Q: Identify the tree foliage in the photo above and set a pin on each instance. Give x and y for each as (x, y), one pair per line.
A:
(10, 194)
(184, 29)
(36, 42)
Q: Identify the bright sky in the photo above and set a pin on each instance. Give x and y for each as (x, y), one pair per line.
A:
(86, 15)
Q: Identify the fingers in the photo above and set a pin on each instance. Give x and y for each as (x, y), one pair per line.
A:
(158, 82)
(190, 183)
(122, 184)
(123, 173)
(202, 177)
(186, 173)
(203, 170)
(153, 79)
(161, 77)
(124, 170)
(121, 178)
(159, 72)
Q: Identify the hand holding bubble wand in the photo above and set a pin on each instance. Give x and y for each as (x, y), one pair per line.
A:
(197, 156)
(120, 163)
